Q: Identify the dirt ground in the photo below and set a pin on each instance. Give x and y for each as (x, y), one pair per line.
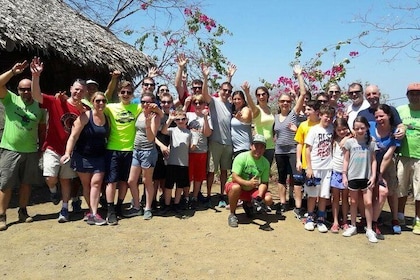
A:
(202, 246)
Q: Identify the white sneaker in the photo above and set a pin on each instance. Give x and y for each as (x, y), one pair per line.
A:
(371, 235)
(321, 227)
(309, 225)
(352, 230)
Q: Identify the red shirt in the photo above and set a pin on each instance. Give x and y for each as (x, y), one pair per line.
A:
(61, 115)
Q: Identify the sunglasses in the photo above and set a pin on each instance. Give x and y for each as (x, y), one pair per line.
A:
(196, 88)
(98, 101)
(24, 89)
(285, 101)
(145, 102)
(334, 91)
(164, 90)
(198, 103)
(148, 84)
(126, 92)
(261, 94)
(166, 102)
(180, 119)
(355, 92)
(227, 90)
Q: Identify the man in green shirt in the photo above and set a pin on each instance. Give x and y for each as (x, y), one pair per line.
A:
(24, 132)
(409, 162)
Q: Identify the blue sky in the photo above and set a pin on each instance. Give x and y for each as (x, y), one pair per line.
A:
(266, 32)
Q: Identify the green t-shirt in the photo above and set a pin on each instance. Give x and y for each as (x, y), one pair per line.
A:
(264, 126)
(122, 120)
(410, 146)
(21, 124)
(248, 167)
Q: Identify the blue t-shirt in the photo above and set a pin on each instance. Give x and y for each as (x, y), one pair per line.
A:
(383, 144)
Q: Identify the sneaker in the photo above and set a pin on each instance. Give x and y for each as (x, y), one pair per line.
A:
(3, 225)
(86, 216)
(335, 228)
(309, 224)
(345, 226)
(321, 227)
(147, 215)
(111, 219)
(416, 227)
(24, 217)
(133, 212)
(96, 220)
(119, 211)
(193, 203)
(259, 206)
(298, 213)
(281, 208)
(371, 235)
(232, 220)
(249, 210)
(222, 204)
(396, 228)
(63, 217)
(55, 198)
(378, 232)
(352, 230)
(362, 224)
(77, 206)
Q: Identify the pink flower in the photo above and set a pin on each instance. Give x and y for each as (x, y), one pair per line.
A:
(203, 18)
(144, 6)
(187, 12)
(353, 54)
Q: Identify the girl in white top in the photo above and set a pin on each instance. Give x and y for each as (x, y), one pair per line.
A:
(341, 132)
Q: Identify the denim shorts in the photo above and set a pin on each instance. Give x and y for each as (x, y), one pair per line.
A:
(145, 158)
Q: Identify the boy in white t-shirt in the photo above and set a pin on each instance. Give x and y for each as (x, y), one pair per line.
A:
(318, 170)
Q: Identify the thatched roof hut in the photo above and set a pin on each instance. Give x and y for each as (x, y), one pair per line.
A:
(70, 45)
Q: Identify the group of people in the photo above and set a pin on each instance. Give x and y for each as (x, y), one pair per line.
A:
(353, 159)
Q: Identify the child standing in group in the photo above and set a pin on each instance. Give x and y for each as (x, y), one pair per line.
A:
(177, 168)
(359, 174)
(318, 171)
(312, 114)
(341, 132)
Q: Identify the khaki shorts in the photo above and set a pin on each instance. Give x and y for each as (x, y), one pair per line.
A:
(390, 176)
(219, 156)
(53, 167)
(18, 168)
(408, 176)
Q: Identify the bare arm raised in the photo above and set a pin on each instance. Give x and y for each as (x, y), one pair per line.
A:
(6, 76)
(36, 68)
(297, 69)
(254, 109)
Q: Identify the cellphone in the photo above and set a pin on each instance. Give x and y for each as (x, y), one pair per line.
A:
(66, 160)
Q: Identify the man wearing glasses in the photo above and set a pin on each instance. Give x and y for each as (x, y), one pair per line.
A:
(220, 144)
(409, 163)
(24, 129)
(355, 93)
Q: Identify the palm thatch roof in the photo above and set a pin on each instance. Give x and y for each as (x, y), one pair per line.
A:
(52, 28)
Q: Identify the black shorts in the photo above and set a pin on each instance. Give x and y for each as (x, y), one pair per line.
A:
(118, 164)
(177, 175)
(358, 184)
(159, 173)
